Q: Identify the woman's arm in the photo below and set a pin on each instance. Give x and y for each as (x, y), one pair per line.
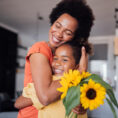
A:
(22, 102)
(42, 78)
(83, 65)
(47, 87)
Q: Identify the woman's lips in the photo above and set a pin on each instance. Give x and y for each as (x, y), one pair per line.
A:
(55, 40)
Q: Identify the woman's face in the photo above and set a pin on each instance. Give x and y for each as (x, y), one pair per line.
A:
(62, 30)
(63, 60)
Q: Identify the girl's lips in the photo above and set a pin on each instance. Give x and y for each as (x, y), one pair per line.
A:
(58, 71)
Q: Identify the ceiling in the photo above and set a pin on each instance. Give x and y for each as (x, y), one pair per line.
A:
(22, 15)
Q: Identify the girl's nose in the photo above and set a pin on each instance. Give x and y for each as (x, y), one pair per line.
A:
(57, 63)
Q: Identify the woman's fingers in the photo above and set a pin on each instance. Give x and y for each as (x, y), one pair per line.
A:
(83, 65)
(79, 110)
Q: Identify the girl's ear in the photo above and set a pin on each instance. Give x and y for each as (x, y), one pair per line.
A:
(77, 66)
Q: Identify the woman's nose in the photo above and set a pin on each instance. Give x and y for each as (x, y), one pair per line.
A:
(59, 34)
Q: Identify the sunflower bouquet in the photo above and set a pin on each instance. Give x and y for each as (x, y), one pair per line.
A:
(86, 89)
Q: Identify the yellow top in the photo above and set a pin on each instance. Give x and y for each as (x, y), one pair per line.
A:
(53, 110)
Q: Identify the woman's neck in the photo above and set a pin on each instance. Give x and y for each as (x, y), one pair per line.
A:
(52, 48)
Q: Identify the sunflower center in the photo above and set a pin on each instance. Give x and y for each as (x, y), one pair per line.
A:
(91, 94)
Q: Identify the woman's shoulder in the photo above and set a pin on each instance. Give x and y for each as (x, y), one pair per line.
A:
(40, 47)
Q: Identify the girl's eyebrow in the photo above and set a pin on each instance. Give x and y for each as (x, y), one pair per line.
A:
(66, 56)
(66, 29)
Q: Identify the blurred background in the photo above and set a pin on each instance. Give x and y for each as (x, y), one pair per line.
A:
(24, 22)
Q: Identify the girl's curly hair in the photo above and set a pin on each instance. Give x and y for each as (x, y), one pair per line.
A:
(77, 48)
(79, 10)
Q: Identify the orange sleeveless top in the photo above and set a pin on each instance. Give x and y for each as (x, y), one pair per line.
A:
(43, 48)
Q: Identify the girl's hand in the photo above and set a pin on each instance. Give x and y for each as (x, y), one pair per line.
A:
(79, 110)
(83, 64)
(22, 102)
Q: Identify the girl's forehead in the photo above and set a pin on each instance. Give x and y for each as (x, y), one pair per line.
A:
(64, 47)
(64, 50)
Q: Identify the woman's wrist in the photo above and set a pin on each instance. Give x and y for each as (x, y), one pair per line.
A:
(79, 110)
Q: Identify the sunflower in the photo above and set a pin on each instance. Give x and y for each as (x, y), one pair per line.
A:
(64, 88)
(85, 74)
(71, 78)
(92, 95)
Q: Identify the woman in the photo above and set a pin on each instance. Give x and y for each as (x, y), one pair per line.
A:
(69, 20)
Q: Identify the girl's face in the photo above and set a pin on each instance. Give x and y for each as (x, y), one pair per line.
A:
(62, 30)
(63, 60)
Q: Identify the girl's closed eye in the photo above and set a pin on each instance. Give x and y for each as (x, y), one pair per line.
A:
(64, 60)
(55, 58)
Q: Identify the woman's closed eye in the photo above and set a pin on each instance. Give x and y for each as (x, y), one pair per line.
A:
(68, 33)
(57, 25)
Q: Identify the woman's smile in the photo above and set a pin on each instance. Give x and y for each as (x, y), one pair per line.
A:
(55, 40)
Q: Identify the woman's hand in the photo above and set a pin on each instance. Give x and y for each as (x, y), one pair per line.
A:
(83, 64)
(79, 110)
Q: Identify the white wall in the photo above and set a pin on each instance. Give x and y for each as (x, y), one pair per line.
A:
(25, 41)
(110, 56)
(116, 63)
(42, 31)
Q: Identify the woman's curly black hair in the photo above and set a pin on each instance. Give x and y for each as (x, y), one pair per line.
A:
(79, 10)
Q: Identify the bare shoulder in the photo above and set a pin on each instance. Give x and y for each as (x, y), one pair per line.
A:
(38, 56)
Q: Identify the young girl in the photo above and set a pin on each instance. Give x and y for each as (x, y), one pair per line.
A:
(66, 57)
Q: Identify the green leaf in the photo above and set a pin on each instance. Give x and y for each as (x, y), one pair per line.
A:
(97, 79)
(112, 97)
(75, 115)
(112, 108)
(72, 99)
(71, 115)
